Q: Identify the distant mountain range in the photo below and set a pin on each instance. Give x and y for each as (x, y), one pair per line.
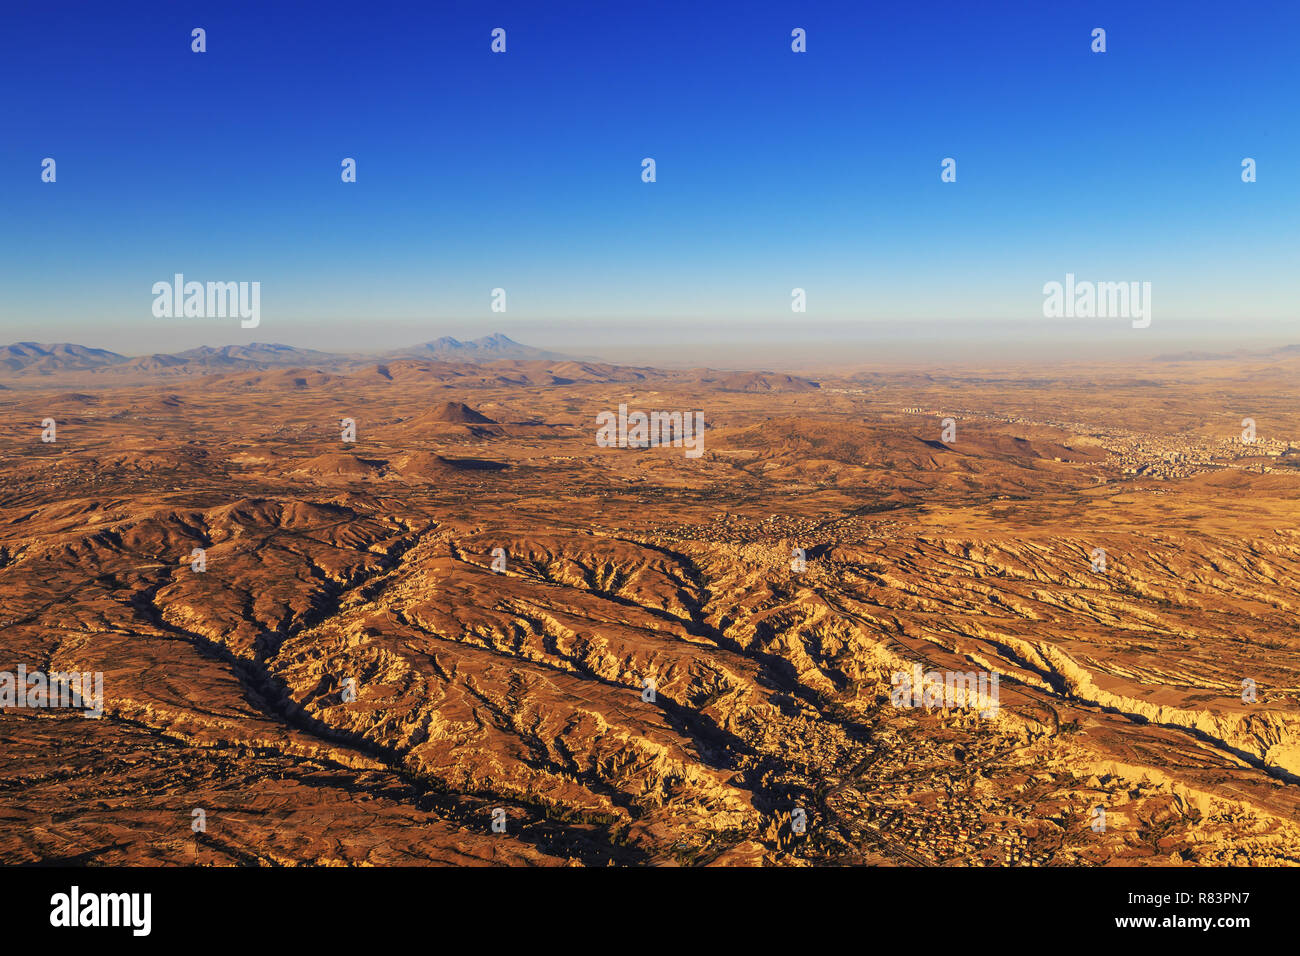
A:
(489, 348)
(487, 361)
(33, 358)
(64, 357)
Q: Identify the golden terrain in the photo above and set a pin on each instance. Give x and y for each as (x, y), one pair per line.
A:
(372, 561)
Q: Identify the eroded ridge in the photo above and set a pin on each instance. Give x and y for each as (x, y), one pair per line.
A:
(474, 634)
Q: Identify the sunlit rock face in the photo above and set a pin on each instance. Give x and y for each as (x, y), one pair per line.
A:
(464, 631)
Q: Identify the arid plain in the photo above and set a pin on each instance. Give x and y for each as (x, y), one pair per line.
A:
(771, 736)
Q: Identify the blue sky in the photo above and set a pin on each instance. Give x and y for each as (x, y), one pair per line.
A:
(523, 171)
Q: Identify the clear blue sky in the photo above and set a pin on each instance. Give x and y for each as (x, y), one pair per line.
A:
(523, 170)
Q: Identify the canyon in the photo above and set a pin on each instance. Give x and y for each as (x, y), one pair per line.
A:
(498, 589)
